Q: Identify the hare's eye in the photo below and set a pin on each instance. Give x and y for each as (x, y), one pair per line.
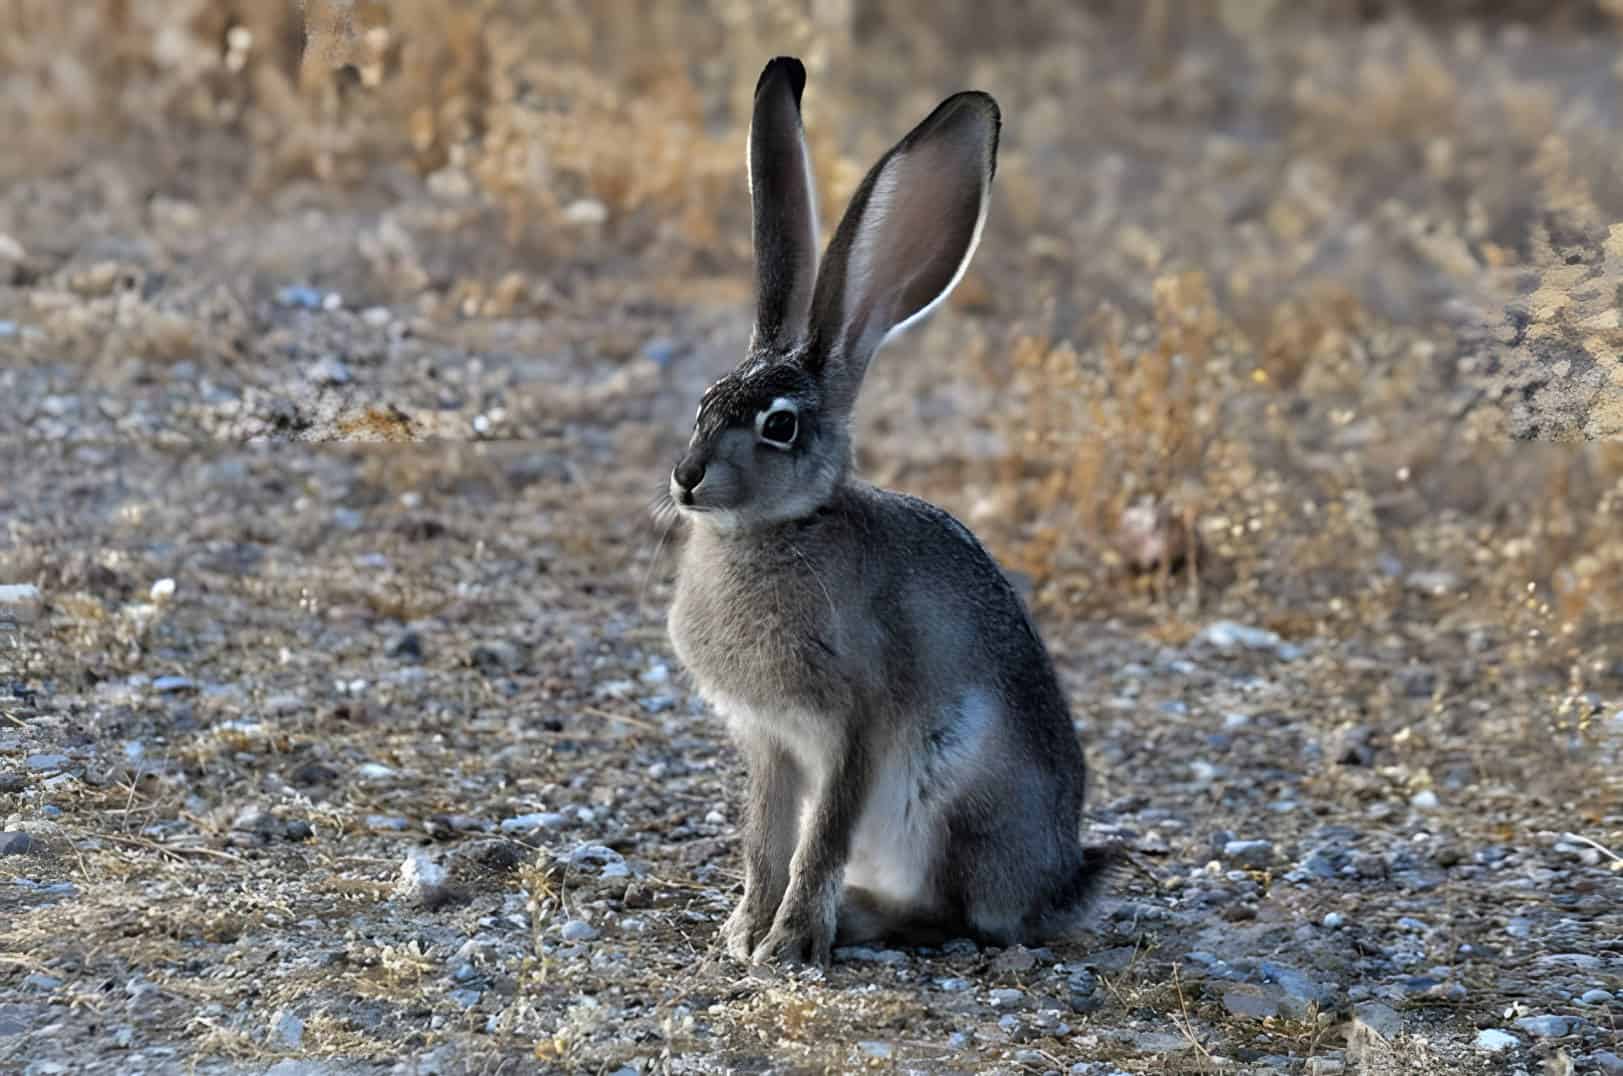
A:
(780, 427)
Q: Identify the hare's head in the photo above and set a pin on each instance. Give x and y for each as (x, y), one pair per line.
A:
(772, 439)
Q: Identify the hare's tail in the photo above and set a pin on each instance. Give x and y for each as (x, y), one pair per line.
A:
(1078, 894)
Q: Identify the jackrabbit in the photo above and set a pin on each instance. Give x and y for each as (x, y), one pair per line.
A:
(914, 772)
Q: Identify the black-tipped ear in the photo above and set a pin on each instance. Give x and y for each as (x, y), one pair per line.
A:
(907, 237)
(784, 202)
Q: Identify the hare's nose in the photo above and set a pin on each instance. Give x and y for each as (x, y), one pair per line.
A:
(689, 473)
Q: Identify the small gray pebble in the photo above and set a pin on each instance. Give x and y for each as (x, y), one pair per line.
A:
(329, 371)
(494, 656)
(16, 844)
(1249, 1005)
(1381, 1019)
(577, 931)
(1448, 991)
(1369, 865)
(287, 1029)
(1016, 959)
(1548, 1026)
(526, 823)
(1607, 1063)
(1494, 1041)
(408, 646)
(1249, 853)
(1580, 961)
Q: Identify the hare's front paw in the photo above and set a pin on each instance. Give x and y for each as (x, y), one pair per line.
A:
(801, 935)
(743, 927)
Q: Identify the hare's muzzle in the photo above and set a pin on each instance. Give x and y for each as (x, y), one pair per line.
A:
(686, 476)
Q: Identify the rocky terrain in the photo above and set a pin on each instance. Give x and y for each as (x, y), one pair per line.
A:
(339, 732)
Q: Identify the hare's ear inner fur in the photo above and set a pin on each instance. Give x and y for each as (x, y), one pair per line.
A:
(906, 239)
(784, 203)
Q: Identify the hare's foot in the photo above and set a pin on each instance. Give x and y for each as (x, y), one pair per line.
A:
(744, 927)
(802, 933)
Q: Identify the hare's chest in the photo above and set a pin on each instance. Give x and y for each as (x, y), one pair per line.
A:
(757, 642)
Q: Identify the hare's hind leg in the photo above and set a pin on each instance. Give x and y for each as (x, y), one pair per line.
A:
(866, 916)
(1011, 899)
(1012, 858)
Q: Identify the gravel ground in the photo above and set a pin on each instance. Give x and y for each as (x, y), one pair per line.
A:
(341, 733)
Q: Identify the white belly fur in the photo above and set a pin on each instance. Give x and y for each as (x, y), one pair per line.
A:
(897, 837)
(895, 843)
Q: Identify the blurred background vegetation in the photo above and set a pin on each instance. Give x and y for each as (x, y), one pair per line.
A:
(1279, 286)
(1300, 315)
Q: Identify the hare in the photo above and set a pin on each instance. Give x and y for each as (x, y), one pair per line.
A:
(914, 773)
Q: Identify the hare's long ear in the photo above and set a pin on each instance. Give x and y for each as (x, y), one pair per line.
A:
(784, 204)
(906, 239)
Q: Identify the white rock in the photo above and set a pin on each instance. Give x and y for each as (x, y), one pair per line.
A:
(1227, 635)
(1496, 1041)
(419, 875)
(577, 931)
(586, 211)
(1433, 582)
(528, 823)
(287, 1029)
(594, 853)
(162, 590)
(19, 603)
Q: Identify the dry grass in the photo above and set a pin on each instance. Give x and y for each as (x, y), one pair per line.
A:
(559, 111)
(1278, 291)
